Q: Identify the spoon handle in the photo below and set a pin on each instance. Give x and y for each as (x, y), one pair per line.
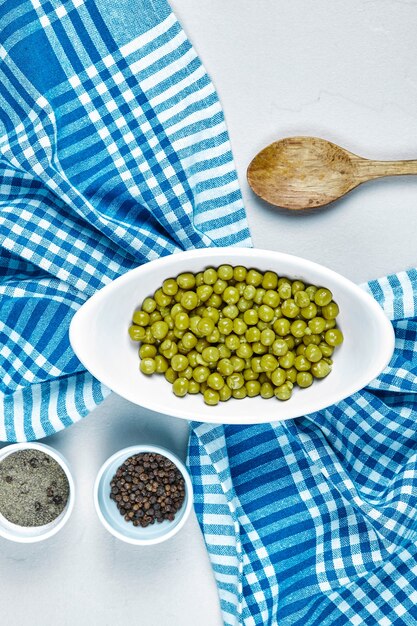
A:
(367, 169)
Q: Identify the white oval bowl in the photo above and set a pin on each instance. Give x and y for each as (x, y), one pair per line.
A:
(99, 337)
(110, 516)
(33, 534)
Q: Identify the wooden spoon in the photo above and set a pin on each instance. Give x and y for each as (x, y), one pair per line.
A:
(307, 172)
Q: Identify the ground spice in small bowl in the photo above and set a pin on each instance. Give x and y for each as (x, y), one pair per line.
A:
(148, 488)
(34, 488)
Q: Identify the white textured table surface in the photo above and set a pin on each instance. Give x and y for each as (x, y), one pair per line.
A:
(345, 71)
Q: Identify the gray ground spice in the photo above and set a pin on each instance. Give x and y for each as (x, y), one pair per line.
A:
(33, 488)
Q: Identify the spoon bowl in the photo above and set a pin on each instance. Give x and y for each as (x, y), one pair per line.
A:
(308, 172)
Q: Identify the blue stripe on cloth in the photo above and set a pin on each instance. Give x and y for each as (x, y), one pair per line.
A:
(329, 499)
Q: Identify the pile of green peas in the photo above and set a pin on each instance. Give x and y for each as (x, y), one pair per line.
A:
(231, 332)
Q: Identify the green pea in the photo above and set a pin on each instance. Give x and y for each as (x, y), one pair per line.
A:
(189, 341)
(155, 317)
(267, 390)
(244, 305)
(259, 296)
(211, 354)
(309, 312)
(291, 374)
(284, 291)
(179, 334)
(189, 300)
(317, 325)
(170, 375)
(267, 337)
(321, 369)
(256, 364)
(232, 342)
(301, 363)
(148, 305)
(180, 387)
(313, 353)
(238, 363)
(265, 313)
(296, 286)
(289, 308)
(253, 277)
(298, 328)
(231, 295)
(269, 363)
(279, 347)
(323, 296)
(147, 366)
(211, 397)
(225, 393)
(253, 334)
(170, 287)
(239, 326)
(239, 273)
(225, 326)
(249, 374)
(300, 349)
(231, 311)
(283, 392)
(330, 311)
(201, 373)
(199, 279)
(311, 339)
(225, 272)
(161, 364)
(326, 350)
(271, 298)
(250, 317)
(278, 377)
(141, 318)
(282, 327)
(179, 295)
(168, 348)
(137, 333)
(224, 351)
(201, 345)
(333, 337)
(210, 276)
(304, 379)
(270, 280)
(330, 324)
(259, 348)
(310, 291)
(225, 367)
(159, 329)
(290, 341)
(215, 381)
(244, 351)
(287, 360)
(186, 281)
(205, 326)
(193, 387)
(162, 299)
(253, 388)
(147, 351)
(219, 286)
(301, 299)
(249, 292)
(204, 292)
(239, 394)
(235, 381)
(179, 362)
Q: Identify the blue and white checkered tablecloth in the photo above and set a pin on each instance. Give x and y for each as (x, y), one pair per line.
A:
(113, 152)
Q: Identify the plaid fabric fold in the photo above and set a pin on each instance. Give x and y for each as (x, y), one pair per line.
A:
(113, 152)
(313, 521)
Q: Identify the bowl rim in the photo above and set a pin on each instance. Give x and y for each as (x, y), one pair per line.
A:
(221, 417)
(66, 514)
(123, 454)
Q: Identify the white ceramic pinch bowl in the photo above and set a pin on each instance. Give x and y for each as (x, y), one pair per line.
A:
(32, 534)
(99, 337)
(110, 516)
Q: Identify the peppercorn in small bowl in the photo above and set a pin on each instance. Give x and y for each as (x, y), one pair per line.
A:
(36, 492)
(143, 495)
